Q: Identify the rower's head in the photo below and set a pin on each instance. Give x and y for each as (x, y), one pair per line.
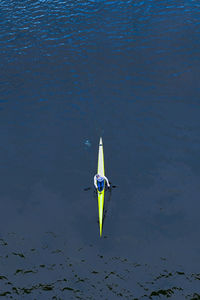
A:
(99, 178)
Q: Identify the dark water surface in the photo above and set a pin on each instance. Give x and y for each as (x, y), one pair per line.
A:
(72, 71)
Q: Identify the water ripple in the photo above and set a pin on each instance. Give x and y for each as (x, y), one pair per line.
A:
(27, 23)
(65, 275)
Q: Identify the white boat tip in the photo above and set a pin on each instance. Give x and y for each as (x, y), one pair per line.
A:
(100, 141)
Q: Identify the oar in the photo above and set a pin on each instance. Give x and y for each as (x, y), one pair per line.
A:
(89, 188)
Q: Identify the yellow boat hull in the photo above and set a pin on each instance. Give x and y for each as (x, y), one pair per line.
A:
(101, 172)
(100, 206)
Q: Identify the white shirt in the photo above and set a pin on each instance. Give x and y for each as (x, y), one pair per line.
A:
(104, 177)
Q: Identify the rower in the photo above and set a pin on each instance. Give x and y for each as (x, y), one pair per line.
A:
(99, 181)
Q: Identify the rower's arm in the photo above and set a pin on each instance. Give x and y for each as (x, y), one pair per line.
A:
(95, 181)
(108, 184)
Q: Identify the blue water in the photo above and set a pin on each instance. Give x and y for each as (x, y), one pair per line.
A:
(72, 71)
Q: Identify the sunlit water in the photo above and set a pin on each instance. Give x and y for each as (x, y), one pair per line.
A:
(72, 71)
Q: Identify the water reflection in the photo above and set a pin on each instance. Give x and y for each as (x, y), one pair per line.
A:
(60, 275)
